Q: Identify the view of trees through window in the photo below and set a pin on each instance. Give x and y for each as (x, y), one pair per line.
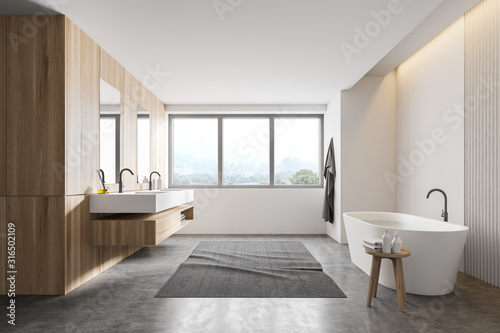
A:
(246, 152)
(296, 151)
(195, 151)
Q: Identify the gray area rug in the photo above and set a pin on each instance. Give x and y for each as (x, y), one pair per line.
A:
(251, 269)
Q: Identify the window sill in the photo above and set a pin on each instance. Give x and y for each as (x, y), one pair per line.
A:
(246, 186)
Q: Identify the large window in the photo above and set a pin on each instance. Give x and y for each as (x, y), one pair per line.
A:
(246, 150)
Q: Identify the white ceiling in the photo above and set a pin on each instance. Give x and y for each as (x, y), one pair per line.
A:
(261, 52)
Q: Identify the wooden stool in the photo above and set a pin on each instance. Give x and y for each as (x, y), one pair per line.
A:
(399, 276)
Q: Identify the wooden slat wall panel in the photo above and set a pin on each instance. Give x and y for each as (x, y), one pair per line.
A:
(82, 259)
(111, 71)
(35, 108)
(157, 137)
(152, 110)
(144, 97)
(111, 255)
(40, 235)
(161, 137)
(82, 111)
(129, 133)
(139, 96)
(3, 105)
(482, 141)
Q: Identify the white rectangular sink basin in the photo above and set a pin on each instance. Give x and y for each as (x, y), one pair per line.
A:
(140, 201)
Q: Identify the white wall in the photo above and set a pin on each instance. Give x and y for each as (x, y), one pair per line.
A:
(365, 131)
(261, 211)
(257, 211)
(369, 144)
(430, 97)
(333, 130)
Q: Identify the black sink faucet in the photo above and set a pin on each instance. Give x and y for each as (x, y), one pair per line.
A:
(445, 211)
(150, 176)
(102, 179)
(120, 184)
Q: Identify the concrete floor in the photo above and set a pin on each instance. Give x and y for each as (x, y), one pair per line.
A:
(121, 300)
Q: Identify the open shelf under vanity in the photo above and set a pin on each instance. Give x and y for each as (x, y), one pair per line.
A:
(139, 229)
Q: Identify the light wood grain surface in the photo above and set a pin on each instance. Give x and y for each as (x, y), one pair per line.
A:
(82, 259)
(111, 71)
(138, 229)
(129, 131)
(160, 134)
(399, 279)
(404, 253)
(35, 104)
(40, 235)
(82, 111)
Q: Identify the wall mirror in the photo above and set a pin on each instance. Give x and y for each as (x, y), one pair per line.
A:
(109, 117)
(143, 145)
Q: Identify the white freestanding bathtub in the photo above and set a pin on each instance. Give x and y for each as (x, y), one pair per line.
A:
(436, 249)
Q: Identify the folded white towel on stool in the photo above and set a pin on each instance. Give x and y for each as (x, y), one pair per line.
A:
(373, 241)
(373, 248)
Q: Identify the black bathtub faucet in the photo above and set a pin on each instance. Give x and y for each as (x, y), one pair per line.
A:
(445, 210)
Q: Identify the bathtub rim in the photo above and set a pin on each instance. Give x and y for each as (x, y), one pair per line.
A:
(459, 227)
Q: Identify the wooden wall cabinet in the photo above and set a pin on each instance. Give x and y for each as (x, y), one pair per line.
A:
(49, 149)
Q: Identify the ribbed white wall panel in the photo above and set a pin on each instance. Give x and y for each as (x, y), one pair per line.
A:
(482, 141)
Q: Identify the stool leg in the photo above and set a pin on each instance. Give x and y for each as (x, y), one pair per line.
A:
(378, 262)
(372, 281)
(402, 278)
(399, 289)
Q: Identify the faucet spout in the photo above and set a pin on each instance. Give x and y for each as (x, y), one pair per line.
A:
(444, 215)
(120, 183)
(101, 177)
(150, 176)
